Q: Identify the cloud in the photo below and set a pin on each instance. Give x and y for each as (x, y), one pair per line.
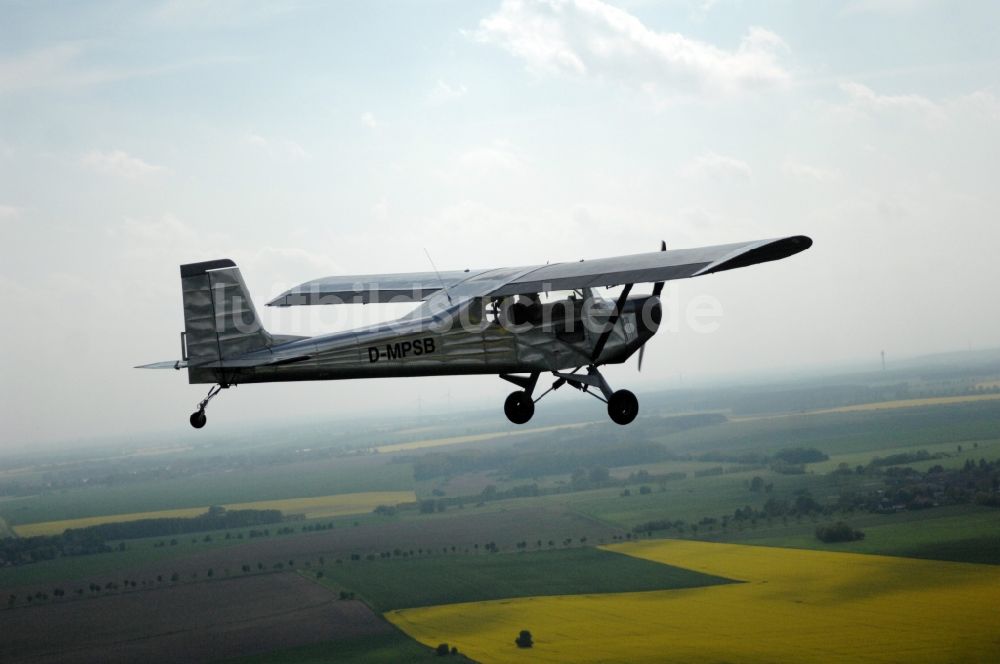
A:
(380, 211)
(890, 7)
(219, 13)
(368, 120)
(53, 66)
(277, 147)
(120, 163)
(442, 93)
(805, 172)
(63, 67)
(865, 99)
(718, 167)
(9, 213)
(498, 156)
(589, 38)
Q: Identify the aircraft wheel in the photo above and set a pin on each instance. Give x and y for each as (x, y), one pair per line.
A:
(198, 419)
(623, 407)
(518, 407)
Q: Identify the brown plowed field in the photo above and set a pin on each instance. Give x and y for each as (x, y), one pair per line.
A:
(186, 623)
(464, 529)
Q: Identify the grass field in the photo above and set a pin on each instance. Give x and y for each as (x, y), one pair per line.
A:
(410, 582)
(838, 433)
(802, 606)
(318, 507)
(961, 533)
(296, 480)
(5, 530)
(689, 499)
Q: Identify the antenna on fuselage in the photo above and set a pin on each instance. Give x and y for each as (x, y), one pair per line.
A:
(443, 287)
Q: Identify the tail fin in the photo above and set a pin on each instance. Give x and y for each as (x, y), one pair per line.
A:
(220, 321)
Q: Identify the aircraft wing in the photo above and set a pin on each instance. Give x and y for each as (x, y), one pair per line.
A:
(653, 266)
(370, 288)
(615, 271)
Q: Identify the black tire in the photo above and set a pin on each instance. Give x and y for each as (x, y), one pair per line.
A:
(198, 419)
(623, 407)
(518, 407)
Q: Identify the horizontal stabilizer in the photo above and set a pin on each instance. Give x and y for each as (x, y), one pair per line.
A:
(176, 364)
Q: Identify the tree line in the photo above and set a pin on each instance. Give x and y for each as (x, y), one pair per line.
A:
(95, 539)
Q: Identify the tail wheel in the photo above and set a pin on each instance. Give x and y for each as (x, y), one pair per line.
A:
(198, 419)
(519, 407)
(623, 407)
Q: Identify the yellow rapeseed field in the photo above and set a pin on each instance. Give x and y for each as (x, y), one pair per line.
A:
(319, 507)
(795, 606)
(911, 403)
(474, 437)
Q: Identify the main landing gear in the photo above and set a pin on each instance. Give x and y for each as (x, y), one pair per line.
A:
(198, 418)
(520, 405)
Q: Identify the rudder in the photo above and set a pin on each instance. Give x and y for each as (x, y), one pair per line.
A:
(220, 321)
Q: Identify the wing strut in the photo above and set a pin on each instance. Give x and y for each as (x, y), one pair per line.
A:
(657, 289)
(610, 325)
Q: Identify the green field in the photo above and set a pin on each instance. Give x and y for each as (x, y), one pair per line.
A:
(464, 519)
(848, 432)
(962, 533)
(144, 551)
(363, 650)
(334, 476)
(688, 499)
(411, 582)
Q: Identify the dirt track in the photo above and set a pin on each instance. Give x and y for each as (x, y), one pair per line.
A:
(185, 623)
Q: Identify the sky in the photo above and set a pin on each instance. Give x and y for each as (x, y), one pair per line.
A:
(306, 139)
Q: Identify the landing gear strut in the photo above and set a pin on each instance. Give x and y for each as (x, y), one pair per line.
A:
(623, 406)
(198, 418)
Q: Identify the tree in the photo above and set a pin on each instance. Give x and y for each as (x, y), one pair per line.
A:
(523, 639)
(442, 649)
(757, 484)
(599, 474)
(838, 532)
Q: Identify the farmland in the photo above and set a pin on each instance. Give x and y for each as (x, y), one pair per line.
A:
(473, 438)
(391, 647)
(317, 507)
(440, 580)
(195, 622)
(794, 605)
(211, 487)
(480, 523)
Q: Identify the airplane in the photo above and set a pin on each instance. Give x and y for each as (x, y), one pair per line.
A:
(516, 323)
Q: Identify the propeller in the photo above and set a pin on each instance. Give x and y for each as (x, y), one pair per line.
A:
(657, 289)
